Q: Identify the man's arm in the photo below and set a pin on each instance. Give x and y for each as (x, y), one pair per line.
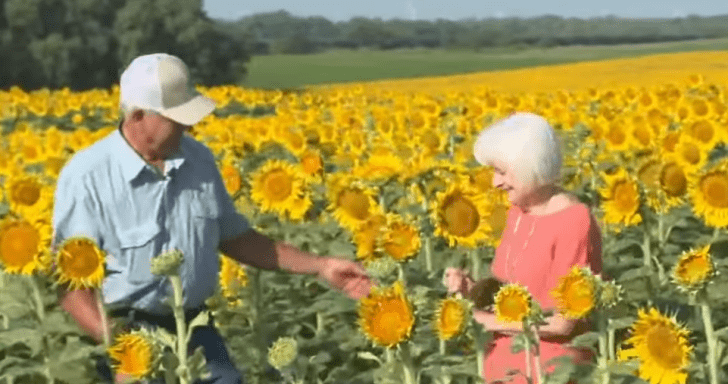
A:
(260, 251)
(257, 250)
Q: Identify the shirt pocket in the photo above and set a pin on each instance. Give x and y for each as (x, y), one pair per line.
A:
(206, 224)
(138, 245)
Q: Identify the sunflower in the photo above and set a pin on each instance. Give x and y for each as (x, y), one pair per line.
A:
(694, 269)
(351, 201)
(232, 277)
(498, 206)
(513, 302)
(709, 194)
(367, 235)
(231, 176)
(80, 262)
(450, 318)
(381, 165)
(24, 245)
(401, 239)
(460, 215)
(704, 131)
(662, 347)
(28, 196)
(134, 354)
(621, 199)
(277, 186)
(386, 315)
(690, 153)
(617, 136)
(312, 164)
(576, 293)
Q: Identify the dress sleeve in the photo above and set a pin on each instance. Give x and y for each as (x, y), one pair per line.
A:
(75, 212)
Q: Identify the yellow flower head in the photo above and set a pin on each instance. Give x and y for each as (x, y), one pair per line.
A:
(80, 262)
(694, 269)
(278, 186)
(661, 345)
(400, 240)
(232, 277)
(28, 196)
(134, 354)
(709, 194)
(386, 315)
(576, 293)
(23, 245)
(621, 199)
(460, 215)
(513, 302)
(351, 201)
(450, 318)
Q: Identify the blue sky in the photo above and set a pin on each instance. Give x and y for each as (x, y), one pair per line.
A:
(338, 10)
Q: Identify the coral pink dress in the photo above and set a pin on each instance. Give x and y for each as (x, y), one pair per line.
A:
(535, 251)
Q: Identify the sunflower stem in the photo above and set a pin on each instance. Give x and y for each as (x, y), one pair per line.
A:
(443, 347)
(40, 312)
(409, 368)
(610, 339)
(537, 355)
(428, 253)
(475, 260)
(104, 318)
(711, 339)
(179, 318)
(603, 346)
(646, 250)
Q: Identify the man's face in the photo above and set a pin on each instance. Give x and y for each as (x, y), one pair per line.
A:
(160, 135)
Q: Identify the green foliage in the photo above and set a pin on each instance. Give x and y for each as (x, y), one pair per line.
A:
(83, 44)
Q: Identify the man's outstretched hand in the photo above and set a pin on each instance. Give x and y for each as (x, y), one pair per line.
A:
(346, 276)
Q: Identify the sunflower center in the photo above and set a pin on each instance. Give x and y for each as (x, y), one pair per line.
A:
(355, 203)
(715, 190)
(625, 196)
(703, 131)
(691, 153)
(513, 307)
(26, 193)
(19, 245)
(79, 260)
(616, 135)
(278, 185)
(311, 164)
(664, 346)
(700, 107)
(580, 296)
(695, 269)
(400, 243)
(673, 180)
(461, 216)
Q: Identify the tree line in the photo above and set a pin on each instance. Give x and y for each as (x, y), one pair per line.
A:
(281, 32)
(84, 44)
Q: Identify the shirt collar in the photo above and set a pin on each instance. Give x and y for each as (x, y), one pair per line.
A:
(132, 164)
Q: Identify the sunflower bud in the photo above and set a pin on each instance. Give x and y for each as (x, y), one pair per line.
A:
(381, 267)
(167, 263)
(282, 352)
(610, 294)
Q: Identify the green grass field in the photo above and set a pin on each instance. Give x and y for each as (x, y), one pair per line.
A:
(339, 66)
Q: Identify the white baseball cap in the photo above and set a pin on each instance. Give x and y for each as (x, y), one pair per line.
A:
(161, 82)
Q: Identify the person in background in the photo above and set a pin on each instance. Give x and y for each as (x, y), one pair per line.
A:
(548, 231)
(148, 188)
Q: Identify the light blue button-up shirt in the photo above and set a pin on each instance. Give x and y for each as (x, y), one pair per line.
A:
(109, 193)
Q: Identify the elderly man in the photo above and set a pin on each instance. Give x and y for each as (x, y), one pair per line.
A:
(147, 188)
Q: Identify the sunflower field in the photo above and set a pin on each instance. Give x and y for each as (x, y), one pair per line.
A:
(383, 173)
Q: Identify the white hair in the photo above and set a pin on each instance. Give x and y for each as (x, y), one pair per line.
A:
(527, 144)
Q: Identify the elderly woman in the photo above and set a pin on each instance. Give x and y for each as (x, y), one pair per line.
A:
(548, 231)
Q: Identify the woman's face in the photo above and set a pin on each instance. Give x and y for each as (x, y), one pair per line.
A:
(504, 179)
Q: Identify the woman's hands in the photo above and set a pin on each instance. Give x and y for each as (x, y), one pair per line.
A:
(457, 281)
